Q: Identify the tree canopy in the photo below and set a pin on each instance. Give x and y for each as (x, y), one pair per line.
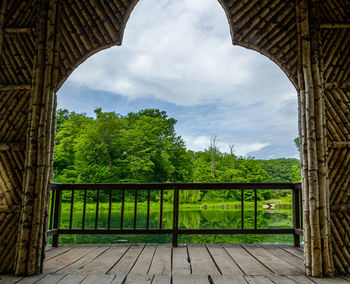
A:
(144, 147)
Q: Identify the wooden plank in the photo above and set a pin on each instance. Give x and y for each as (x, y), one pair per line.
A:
(281, 279)
(51, 279)
(225, 279)
(258, 279)
(119, 279)
(190, 279)
(274, 263)
(139, 279)
(285, 256)
(128, 260)
(31, 279)
(73, 279)
(144, 261)
(161, 263)
(98, 278)
(201, 261)
(55, 252)
(79, 264)
(61, 261)
(49, 247)
(105, 261)
(249, 264)
(223, 260)
(161, 279)
(9, 279)
(181, 264)
(301, 279)
(335, 280)
(294, 251)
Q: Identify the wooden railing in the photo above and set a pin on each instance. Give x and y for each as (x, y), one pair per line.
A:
(174, 188)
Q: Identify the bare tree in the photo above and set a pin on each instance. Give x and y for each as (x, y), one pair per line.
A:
(213, 153)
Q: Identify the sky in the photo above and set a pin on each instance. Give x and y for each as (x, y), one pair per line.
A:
(178, 56)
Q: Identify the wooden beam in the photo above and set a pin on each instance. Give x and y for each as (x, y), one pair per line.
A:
(19, 30)
(15, 87)
(339, 144)
(12, 146)
(335, 26)
(342, 85)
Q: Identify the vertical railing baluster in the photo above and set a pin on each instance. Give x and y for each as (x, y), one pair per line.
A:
(242, 208)
(122, 210)
(255, 208)
(97, 208)
(296, 216)
(84, 210)
(161, 210)
(71, 210)
(52, 207)
(148, 207)
(110, 209)
(176, 217)
(57, 217)
(135, 209)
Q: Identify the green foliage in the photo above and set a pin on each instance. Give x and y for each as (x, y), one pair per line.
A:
(297, 143)
(143, 147)
(282, 170)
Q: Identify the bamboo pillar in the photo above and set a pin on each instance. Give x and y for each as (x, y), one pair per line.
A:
(39, 149)
(317, 244)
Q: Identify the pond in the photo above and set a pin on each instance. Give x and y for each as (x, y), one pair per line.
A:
(190, 218)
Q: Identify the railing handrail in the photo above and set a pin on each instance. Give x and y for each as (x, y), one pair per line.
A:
(184, 186)
(58, 188)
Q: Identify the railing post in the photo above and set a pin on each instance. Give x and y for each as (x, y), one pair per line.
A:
(175, 216)
(296, 214)
(56, 217)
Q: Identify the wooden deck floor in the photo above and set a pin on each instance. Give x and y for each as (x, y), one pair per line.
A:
(192, 264)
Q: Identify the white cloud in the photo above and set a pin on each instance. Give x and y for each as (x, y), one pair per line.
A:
(180, 53)
(245, 149)
(201, 143)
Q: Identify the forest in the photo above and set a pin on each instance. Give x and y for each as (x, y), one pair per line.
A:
(143, 147)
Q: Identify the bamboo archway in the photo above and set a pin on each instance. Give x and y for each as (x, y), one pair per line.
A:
(43, 41)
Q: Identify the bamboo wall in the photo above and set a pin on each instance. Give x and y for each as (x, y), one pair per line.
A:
(43, 41)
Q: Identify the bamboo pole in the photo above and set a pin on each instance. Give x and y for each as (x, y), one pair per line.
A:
(30, 247)
(303, 143)
(14, 87)
(2, 22)
(19, 30)
(321, 142)
(317, 253)
(339, 144)
(335, 26)
(12, 147)
(312, 167)
(47, 118)
(341, 85)
(26, 250)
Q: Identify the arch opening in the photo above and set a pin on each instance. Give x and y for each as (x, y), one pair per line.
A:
(206, 71)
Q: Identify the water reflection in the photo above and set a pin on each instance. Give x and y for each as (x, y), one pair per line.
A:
(188, 218)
